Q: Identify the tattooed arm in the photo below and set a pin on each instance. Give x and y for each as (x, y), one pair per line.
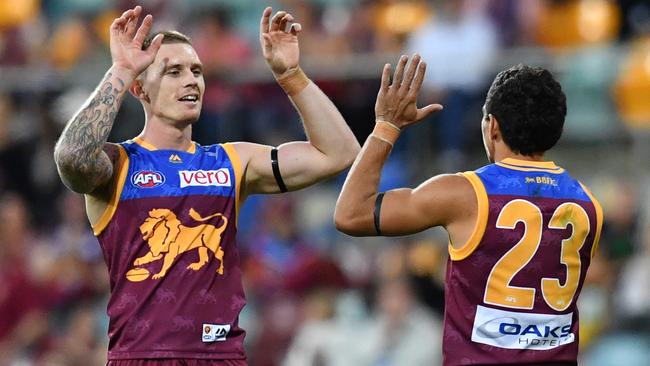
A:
(79, 154)
(82, 156)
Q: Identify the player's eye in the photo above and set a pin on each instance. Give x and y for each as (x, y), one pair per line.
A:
(197, 72)
(173, 72)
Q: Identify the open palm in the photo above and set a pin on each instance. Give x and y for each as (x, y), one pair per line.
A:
(126, 42)
(279, 44)
(397, 101)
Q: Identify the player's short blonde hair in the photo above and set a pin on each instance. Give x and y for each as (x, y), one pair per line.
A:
(170, 36)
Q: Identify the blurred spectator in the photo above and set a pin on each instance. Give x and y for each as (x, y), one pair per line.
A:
(326, 337)
(633, 85)
(402, 332)
(15, 13)
(23, 295)
(619, 235)
(515, 20)
(459, 45)
(77, 345)
(395, 20)
(632, 300)
(570, 23)
(220, 49)
(223, 53)
(323, 39)
(319, 338)
(16, 146)
(635, 16)
(72, 31)
(274, 247)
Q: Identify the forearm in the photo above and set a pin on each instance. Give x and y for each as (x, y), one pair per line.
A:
(324, 125)
(79, 151)
(355, 206)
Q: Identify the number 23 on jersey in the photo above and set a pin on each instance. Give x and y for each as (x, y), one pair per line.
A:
(499, 290)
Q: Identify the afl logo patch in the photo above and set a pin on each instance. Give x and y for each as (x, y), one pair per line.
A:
(147, 179)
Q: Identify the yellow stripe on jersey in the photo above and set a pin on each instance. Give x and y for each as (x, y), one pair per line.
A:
(123, 168)
(150, 147)
(531, 163)
(464, 251)
(143, 143)
(599, 218)
(530, 166)
(236, 166)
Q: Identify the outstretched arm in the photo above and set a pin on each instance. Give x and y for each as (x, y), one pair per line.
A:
(83, 158)
(331, 146)
(438, 201)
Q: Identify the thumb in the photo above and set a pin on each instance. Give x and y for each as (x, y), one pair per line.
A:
(426, 111)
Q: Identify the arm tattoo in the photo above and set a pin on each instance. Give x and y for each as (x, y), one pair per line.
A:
(79, 151)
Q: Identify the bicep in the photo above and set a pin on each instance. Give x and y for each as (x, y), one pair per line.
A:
(299, 165)
(439, 201)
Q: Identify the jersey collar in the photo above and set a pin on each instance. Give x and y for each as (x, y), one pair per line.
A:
(528, 165)
(150, 147)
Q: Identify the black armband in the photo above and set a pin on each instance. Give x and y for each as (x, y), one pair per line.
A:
(276, 170)
(378, 201)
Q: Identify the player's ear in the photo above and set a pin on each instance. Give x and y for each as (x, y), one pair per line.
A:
(137, 90)
(493, 127)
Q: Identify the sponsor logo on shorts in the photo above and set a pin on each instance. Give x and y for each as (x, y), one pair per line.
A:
(147, 179)
(506, 329)
(215, 332)
(220, 178)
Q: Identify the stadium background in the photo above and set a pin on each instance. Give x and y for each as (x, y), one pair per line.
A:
(316, 296)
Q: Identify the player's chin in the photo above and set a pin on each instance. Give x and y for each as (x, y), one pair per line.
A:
(190, 116)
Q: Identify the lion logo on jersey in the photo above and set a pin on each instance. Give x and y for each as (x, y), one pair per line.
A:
(167, 238)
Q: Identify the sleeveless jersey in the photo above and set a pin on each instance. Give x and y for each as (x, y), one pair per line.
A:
(168, 237)
(511, 290)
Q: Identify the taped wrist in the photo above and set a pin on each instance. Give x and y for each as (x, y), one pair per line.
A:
(276, 170)
(294, 81)
(386, 131)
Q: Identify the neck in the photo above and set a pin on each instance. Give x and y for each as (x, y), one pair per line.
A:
(502, 152)
(165, 135)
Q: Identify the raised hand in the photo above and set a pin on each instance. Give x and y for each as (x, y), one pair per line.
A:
(126, 42)
(397, 102)
(279, 44)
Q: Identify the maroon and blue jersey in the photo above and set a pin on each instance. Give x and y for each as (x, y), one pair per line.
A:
(511, 290)
(168, 237)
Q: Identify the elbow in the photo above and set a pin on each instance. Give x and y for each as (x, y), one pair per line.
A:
(347, 223)
(70, 174)
(353, 152)
(64, 163)
(349, 155)
(340, 221)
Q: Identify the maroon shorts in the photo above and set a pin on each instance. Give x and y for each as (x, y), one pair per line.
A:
(177, 362)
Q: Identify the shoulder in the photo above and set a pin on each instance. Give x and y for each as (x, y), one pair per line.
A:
(452, 195)
(453, 184)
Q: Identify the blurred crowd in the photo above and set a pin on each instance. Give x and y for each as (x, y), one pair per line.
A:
(317, 297)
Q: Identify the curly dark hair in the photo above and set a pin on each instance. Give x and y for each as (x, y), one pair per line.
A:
(530, 107)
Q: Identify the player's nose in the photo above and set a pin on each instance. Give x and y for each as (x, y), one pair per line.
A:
(189, 79)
